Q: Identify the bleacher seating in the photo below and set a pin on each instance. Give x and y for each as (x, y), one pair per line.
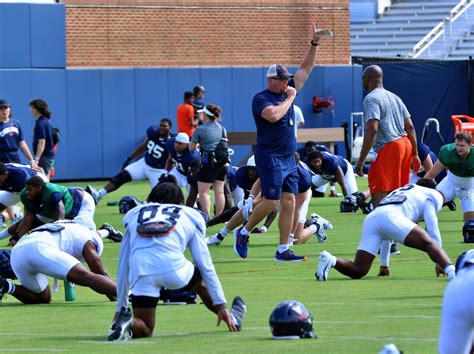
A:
(398, 29)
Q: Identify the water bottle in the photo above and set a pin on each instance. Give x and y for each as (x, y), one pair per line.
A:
(69, 291)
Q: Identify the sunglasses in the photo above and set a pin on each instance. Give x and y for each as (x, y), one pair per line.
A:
(4, 107)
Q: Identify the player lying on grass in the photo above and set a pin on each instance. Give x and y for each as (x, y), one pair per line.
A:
(395, 218)
(57, 250)
(152, 255)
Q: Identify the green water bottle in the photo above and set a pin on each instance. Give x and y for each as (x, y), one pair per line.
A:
(69, 291)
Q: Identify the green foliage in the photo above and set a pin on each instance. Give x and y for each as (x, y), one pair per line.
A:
(350, 316)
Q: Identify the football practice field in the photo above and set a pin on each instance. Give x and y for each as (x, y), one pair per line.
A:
(350, 316)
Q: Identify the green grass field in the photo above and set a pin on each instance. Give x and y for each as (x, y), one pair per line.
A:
(350, 316)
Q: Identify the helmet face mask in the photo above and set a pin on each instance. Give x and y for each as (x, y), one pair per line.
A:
(127, 203)
(291, 320)
(349, 204)
(465, 258)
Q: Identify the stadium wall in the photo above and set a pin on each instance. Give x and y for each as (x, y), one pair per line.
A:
(202, 33)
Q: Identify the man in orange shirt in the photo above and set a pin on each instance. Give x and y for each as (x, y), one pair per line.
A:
(185, 115)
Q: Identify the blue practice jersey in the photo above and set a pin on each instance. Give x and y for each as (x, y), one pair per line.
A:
(231, 178)
(304, 174)
(182, 160)
(43, 130)
(423, 152)
(273, 139)
(17, 177)
(10, 136)
(329, 166)
(156, 153)
(242, 178)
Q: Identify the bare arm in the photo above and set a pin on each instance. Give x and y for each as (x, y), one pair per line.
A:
(169, 163)
(40, 149)
(140, 149)
(428, 163)
(94, 262)
(192, 146)
(26, 151)
(26, 223)
(435, 170)
(411, 134)
(371, 129)
(275, 113)
(308, 63)
(340, 180)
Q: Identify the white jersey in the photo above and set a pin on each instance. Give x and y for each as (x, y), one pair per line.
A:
(457, 319)
(142, 254)
(416, 203)
(71, 239)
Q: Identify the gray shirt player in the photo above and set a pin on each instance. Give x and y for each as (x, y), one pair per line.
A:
(389, 109)
(208, 135)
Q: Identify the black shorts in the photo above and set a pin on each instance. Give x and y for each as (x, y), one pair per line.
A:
(209, 173)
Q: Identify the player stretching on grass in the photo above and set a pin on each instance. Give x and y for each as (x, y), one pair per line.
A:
(395, 218)
(152, 256)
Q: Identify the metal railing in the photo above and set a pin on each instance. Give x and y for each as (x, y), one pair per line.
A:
(440, 29)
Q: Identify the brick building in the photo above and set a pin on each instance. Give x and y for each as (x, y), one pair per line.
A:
(140, 33)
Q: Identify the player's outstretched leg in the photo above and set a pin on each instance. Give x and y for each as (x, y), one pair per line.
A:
(355, 270)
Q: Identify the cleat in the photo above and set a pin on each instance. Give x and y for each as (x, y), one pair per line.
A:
(121, 327)
(95, 195)
(114, 235)
(241, 243)
(439, 271)
(321, 224)
(451, 205)
(384, 271)
(324, 264)
(393, 249)
(367, 208)
(258, 230)
(288, 256)
(215, 240)
(238, 311)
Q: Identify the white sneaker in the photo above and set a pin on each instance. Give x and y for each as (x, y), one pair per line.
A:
(215, 240)
(324, 264)
(292, 240)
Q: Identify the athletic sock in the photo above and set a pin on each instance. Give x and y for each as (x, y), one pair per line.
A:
(283, 248)
(264, 228)
(103, 233)
(102, 192)
(450, 271)
(244, 231)
(11, 287)
(224, 231)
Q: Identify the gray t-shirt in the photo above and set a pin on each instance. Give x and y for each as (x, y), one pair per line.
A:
(208, 135)
(389, 109)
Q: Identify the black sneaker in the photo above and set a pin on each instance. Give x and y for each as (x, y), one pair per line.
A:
(114, 235)
(238, 311)
(451, 205)
(91, 190)
(121, 327)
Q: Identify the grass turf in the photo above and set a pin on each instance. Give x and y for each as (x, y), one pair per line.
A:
(350, 316)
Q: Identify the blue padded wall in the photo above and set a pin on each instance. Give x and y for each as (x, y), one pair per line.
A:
(118, 117)
(15, 34)
(83, 138)
(48, 36)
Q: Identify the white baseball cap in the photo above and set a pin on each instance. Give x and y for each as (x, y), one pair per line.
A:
(182, 138)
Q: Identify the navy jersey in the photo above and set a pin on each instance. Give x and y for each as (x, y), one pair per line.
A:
(275, 139)
(156, 153)
(231, 179)
(182, 160)
(329, 166)
(319, 147)
(43, 130)
(423, 152)
(17, 177)
(10, 136)
(242, 179)
(304, 174)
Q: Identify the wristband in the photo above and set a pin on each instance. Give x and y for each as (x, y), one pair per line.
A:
(314, 44)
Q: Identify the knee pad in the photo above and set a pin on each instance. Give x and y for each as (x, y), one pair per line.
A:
(468, 231)
(121, 178)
